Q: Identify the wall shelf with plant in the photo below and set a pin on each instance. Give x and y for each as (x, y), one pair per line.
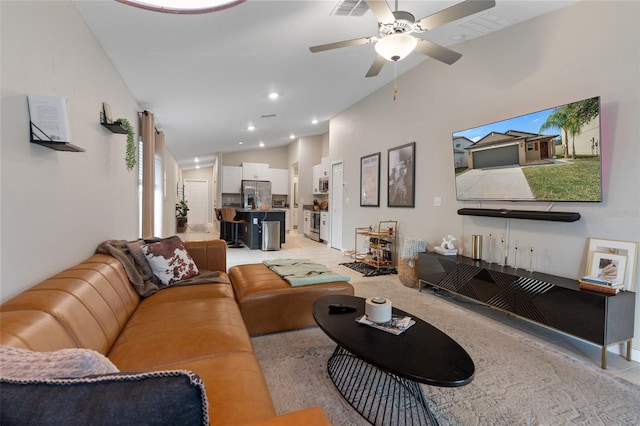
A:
(121, 126)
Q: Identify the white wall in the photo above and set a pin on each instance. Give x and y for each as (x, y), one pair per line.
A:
(275, 157)
(58, 206)
(173, 175)
(589, 49)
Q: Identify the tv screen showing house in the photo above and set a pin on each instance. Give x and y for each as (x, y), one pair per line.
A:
(548, 155)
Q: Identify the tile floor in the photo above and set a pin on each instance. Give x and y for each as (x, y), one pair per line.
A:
(297, 246)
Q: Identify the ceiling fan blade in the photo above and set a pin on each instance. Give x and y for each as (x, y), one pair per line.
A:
(339, 44)
(376, 67)
(455, 12)
(438, 52)
(381, 9)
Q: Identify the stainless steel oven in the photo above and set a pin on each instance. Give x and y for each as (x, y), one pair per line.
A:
(315, 225)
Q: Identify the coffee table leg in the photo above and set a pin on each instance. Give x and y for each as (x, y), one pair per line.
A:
(380, 397)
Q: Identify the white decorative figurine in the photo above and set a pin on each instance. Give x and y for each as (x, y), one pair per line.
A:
(448, 244)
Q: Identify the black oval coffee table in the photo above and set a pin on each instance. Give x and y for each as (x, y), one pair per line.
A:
(379, 373)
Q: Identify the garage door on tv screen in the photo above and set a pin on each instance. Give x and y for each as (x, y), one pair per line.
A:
(548, 155)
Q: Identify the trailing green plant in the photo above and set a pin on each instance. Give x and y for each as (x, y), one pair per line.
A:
(130, 156)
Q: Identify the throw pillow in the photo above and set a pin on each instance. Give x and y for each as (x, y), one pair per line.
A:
(155, 398)
(170, 261)
(24, 364)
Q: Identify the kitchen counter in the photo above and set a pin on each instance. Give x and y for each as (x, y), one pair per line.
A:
(260, 211)
(252, 235)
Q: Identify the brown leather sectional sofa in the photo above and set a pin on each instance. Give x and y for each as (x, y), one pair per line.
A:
(198, 328)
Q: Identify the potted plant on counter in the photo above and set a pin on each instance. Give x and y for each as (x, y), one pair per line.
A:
(181, 216)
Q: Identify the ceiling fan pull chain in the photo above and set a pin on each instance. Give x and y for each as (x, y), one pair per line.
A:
(395, 81)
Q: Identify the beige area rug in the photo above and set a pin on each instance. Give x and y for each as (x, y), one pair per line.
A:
(518, 381)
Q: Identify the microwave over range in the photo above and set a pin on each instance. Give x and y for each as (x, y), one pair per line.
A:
(323, 184)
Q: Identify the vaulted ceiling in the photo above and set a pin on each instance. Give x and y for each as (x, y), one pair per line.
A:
(207, 77)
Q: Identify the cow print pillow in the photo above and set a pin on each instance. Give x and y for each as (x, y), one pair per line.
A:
(170, 261)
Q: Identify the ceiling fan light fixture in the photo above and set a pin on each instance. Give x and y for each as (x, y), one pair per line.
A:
(183, 6)
(396, 47)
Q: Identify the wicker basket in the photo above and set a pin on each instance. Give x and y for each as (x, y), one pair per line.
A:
(408, 272)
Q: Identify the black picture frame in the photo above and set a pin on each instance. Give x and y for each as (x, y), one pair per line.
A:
(370, 180)
(401, 172)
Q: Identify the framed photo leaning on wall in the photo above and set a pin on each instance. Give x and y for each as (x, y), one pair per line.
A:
(402, 174)
(629, 249)
(370, 180)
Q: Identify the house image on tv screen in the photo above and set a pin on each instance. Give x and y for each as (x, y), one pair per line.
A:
(512, 147)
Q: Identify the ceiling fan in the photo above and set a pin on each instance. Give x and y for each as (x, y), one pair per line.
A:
(395, 41)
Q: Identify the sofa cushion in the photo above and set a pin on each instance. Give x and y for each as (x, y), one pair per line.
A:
(170, 261)
(91, 301)
(162, 332)
(23, 364)
(239, 393)
(34, 330)
(155, 398)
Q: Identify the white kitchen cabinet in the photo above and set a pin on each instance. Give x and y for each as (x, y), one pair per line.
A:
(316, 175)
(279, 181)
(231, 179)
(306, 225)
(324, 226)
(255, 171)
(325, 167)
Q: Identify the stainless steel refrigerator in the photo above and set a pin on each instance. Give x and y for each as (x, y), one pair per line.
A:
(256, 193)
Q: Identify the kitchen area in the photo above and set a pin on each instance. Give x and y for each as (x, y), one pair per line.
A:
(260, 193)
(316, 215)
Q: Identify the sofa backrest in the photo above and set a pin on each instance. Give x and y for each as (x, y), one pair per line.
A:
(210, 255)
(84, 306)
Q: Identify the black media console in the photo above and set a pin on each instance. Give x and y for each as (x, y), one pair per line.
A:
(552, 301)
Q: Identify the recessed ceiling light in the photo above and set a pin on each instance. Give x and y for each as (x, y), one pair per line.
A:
(314, 121)
(251, 127)
(273, 96)
(183, 6)
(261, 144)
(197, 166)
(196, 159)
(240, 143)
(292, 136)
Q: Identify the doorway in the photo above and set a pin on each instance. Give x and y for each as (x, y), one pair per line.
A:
(337, 177)
(196, 193)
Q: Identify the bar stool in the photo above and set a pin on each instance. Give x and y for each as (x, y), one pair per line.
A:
(218, 213)
(229, 216)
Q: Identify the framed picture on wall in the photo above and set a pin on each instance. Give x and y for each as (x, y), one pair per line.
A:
(370, 180)
(629, 249)
(402, 174)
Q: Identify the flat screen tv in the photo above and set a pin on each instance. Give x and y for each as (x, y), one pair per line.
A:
(549, 155)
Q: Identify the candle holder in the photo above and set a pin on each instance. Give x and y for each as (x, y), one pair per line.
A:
(530, 259)
(490, 248)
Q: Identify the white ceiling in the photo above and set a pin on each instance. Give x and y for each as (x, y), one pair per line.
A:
(207, 77)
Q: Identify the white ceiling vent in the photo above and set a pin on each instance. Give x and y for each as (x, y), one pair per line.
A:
(486, 23)
(350, 8)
